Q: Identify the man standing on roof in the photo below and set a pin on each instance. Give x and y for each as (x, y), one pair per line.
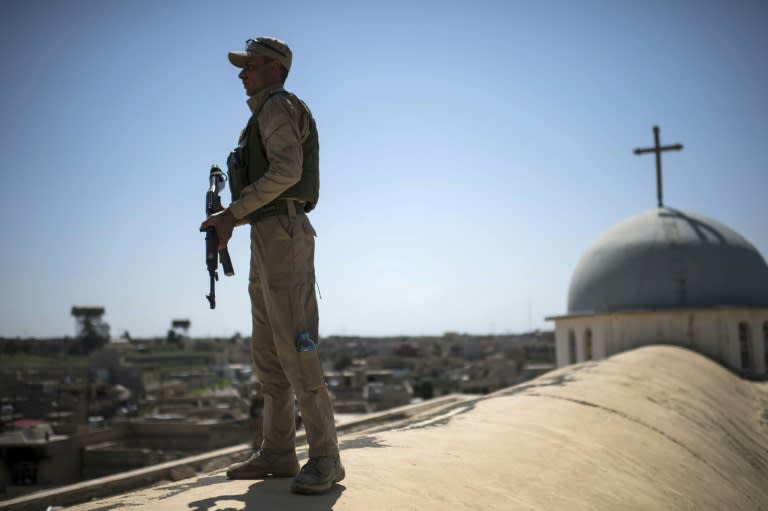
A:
(274, 179)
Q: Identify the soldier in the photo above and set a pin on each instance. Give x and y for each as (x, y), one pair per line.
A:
(274, 179)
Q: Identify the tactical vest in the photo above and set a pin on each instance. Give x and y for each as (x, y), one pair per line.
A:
(255, 163)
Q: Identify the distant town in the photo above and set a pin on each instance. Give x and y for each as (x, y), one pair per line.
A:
(81, 407)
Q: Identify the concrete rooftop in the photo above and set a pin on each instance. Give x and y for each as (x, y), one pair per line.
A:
(655, 428)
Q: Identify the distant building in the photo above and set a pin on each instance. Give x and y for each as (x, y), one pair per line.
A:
(362, 389)
(33, 457)
(668, 276)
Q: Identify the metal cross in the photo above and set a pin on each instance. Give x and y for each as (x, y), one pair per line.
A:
(658, 149)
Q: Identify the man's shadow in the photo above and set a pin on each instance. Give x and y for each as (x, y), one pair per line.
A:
(269, 495)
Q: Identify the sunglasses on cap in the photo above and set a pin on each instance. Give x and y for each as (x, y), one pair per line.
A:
(250, 43)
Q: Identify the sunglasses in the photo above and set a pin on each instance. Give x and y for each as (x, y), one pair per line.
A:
(250, 43)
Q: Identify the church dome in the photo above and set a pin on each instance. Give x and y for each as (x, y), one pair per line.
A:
(668, 259)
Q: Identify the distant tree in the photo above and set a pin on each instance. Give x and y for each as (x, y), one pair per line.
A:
(94, 335)
(9, 347)
(407, 350)
(92, 330)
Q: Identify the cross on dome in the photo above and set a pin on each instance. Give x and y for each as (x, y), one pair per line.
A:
(658, 149)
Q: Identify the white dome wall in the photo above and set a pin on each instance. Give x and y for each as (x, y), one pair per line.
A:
(714, 333)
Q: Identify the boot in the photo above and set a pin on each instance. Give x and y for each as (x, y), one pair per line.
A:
(318, 475)
(263, 464)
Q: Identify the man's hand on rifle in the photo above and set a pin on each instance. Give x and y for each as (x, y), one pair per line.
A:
(224, 223)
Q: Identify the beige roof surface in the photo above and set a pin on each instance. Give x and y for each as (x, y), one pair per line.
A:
(655, 428)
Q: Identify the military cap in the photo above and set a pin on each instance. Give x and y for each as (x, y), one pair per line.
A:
(263, 47)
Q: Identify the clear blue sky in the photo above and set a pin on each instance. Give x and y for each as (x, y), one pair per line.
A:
(470, 151)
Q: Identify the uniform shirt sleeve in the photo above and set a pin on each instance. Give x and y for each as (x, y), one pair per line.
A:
(281, 135)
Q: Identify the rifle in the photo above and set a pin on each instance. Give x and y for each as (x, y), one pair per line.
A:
(212, 253)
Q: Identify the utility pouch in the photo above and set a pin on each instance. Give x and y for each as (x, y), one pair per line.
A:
(236, 172)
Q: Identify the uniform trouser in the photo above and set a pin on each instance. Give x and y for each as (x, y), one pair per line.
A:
(283, 305)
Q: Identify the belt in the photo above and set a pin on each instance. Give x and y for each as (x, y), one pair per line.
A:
(276, 207)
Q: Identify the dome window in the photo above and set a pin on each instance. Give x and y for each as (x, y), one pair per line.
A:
(765, 342)
(745, 343)
(572, 347)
